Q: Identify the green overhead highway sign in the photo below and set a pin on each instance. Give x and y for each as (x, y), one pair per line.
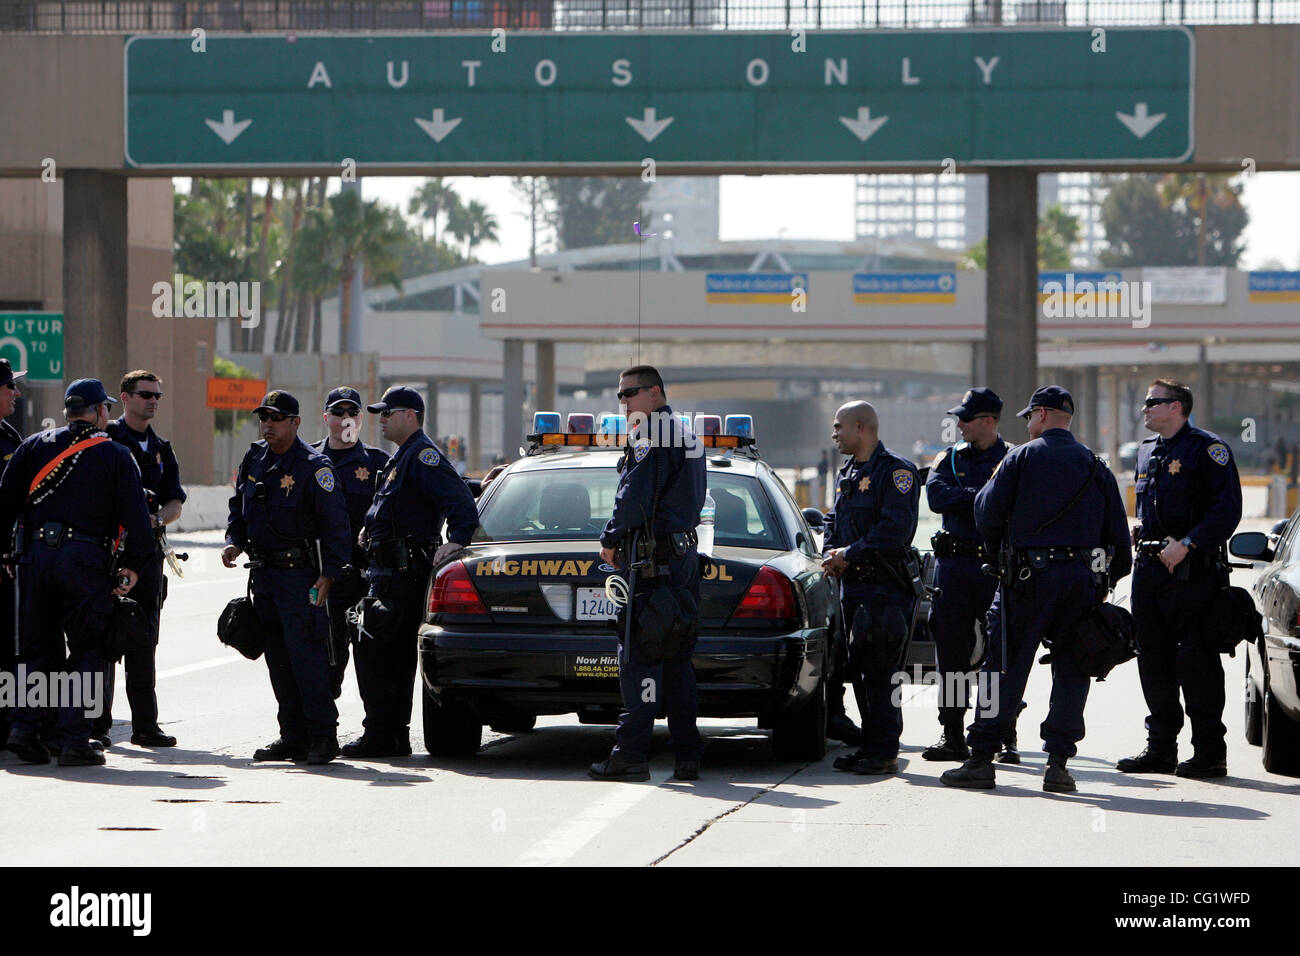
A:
(33, 341)
(833, 100)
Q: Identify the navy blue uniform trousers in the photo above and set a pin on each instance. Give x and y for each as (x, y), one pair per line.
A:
(140, 661)
(966, 594)
(1173, 653)
(875, 689)
(345, 592)
(67, 590)
(1046, 607)
(386, 664)
(294, 632)
(668, 687)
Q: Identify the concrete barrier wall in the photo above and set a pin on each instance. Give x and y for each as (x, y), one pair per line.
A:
(205, 509)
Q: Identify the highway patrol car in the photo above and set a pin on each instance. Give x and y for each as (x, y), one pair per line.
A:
(521, 625)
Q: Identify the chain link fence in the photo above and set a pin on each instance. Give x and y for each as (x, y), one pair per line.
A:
(249, 16)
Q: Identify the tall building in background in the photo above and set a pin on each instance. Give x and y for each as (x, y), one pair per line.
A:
(952, 211)
(685, 207)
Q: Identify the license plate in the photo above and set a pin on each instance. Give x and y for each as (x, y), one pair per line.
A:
(593, 605)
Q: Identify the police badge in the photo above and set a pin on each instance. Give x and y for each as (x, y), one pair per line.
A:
(430, 457)
(902, 480)
(1218, 453)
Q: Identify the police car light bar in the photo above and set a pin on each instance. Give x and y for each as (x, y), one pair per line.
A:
(741, 425)
(580, 423)
(546, 422)
(708, 425)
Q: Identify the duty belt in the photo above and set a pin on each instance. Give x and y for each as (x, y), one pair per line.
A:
(1035, 556)
(290, 559)
(53, 533)
(398, 554)
(948, 545)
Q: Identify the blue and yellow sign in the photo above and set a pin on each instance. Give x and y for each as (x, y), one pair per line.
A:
(1274, 287)
(754, 288)
(905, 288)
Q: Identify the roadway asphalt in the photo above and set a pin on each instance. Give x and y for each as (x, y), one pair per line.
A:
(527, 800)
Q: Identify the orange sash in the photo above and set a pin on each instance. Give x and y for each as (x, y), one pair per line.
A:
(68, 452)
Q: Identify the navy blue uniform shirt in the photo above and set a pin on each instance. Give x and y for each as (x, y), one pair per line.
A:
(100, 493)
(358, 470)
(418, 490)
(287, 501)
(159, 469)
(1035, 482)
(663, 443)
(956, 475)
(1188, 486)
(877, 505)
(10, 439)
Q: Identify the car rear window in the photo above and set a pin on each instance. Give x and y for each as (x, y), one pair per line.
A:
(573, 504)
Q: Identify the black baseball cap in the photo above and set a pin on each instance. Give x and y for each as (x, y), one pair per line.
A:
(85, 392)
(278, 401)
(341, 395)
(7, 374)
(1049, 396)
(399, 396)
(977, 401)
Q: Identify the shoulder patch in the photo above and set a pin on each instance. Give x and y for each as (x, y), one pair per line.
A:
(325, 478)
(640, 450)
(1218, 453)
(430, 457)
(902, 480)
(938, 459)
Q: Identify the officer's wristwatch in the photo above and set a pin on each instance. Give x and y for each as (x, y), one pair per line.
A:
(1186, 542)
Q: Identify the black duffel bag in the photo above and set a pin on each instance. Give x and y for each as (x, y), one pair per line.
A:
(128, 629)
(664, 619)
(1101, 641)
(1231, 619)
(240, 628)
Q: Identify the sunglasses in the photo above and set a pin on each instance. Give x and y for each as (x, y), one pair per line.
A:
(1030, 414)
(348, 411)
(148, 395)
(1153, 402)
(273, 416)
(12, 386)
(629, 392)
(390, 412)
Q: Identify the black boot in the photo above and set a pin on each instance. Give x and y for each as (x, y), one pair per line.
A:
(1153, 759)
(376, 745)
(1202, 767)
(281, 749)
(1010, 752)
(28, 747)
(838, 725)
(616, 767)
(951, 746)
(323, 749)
(977, 773)
(1056, 779)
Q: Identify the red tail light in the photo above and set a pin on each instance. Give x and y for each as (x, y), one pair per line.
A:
(770, 596)
(454, 593)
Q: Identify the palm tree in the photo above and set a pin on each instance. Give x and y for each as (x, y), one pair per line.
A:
(1197, 191)
(431, 200)
(338, 235)
(473, 224)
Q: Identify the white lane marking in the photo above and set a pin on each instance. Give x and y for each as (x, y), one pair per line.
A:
(564, 842)
(183, 669)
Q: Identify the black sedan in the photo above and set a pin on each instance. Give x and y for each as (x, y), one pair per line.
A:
(520, 625)
(1273, 665)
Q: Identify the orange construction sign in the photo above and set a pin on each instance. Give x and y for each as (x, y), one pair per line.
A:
(236, 394)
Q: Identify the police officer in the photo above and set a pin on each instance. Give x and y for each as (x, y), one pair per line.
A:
(402, 535)
(141, 391)
(289, 515)
(73, 488)
(10, 438)
(965, 592)
(357, 467)
(1058, 509)
(1188, 500)
(876, 511)
(661, 490)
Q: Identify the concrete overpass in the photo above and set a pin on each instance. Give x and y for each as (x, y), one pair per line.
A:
(66, 102)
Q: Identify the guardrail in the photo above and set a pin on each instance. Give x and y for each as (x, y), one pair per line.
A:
(157, 16)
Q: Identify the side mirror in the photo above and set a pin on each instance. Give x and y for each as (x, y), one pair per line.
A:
(475, 486)
(1277, 529)
(814, 518)
(1251, 544)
